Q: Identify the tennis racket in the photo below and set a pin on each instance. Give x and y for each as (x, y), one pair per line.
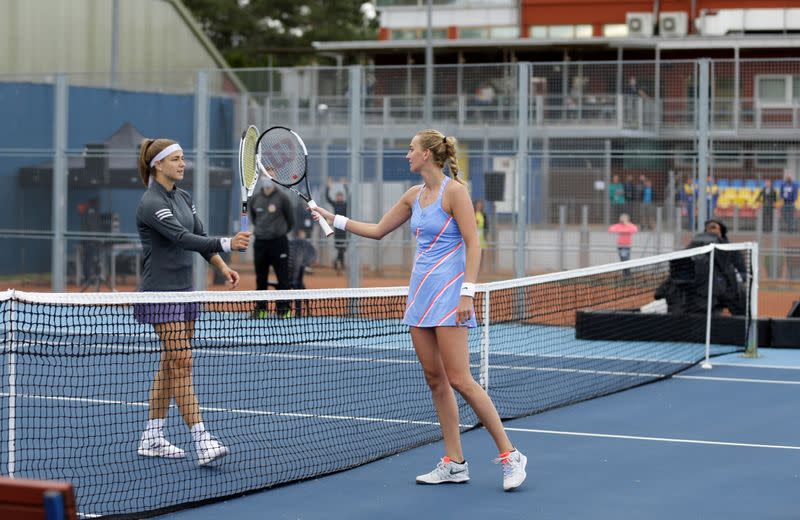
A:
(247, 170)
(282, 156)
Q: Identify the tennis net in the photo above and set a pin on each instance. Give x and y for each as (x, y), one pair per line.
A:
(337, 384)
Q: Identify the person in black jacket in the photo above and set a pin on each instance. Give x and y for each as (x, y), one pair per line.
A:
(768, 198)
(272, 215)
(339, 205)
(686, 288)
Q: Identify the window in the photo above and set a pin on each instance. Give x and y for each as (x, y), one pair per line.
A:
(560, 32)
(615, 30)
(778, 90)
(584, 31)
(772, 90)
(772, 160)
(727, 154)
(504, 32)
(404, 34)
(417, 34)
(538, 32)
(473, 33)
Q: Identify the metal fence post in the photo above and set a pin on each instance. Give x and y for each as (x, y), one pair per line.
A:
(356, 117)
(524, 80)
(200, 195)
(60, 174)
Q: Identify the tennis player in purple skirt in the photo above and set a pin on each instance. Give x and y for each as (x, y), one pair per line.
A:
(171, 232)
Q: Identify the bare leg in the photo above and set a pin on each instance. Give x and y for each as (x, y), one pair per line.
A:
(174, 376)
(452, 348)
(444, 400)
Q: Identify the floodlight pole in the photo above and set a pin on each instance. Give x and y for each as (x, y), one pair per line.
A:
(114, 42)
(428, 115)
(703, 136)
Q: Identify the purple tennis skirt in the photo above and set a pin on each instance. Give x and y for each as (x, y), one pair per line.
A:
(165, 312)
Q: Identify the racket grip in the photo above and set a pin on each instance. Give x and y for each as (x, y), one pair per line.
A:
(244, 225)
(326, 228)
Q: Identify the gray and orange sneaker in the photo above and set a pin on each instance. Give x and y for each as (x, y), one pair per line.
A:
(514, 463)
(446, 471)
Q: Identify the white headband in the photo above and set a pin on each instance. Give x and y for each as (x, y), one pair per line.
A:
(165, 152)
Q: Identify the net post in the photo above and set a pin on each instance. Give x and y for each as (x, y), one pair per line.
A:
(12, 389)
(706, 363)
(484, 377)
(751, 349)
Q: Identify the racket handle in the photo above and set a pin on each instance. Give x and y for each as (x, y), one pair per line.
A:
(244, 225)
(326, 228)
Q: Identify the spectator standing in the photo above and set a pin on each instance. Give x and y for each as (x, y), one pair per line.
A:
(629, 188)
(648, 211)
(624, 230)
(480, 220)
(712, 195)
(768, 198)
(688, 194)
(272, 215)
(339, 204)
(616, 194)
(789, 198)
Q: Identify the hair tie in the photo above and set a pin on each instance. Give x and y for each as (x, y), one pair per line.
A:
(444, 139)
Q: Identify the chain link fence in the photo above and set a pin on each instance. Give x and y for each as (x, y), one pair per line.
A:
(593, 140)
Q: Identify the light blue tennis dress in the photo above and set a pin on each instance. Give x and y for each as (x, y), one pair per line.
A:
(435, 285)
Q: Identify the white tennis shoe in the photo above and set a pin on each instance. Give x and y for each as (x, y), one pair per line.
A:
(446, 471)
(513, 469)
(210, 449)
(159, 446)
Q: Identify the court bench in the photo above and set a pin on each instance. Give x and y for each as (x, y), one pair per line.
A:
(23, 499)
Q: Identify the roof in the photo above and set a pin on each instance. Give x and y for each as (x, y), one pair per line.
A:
(663, 43)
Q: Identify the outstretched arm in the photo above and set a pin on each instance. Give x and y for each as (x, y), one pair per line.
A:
(394, 218)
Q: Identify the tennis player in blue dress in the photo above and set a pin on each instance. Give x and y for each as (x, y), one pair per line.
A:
(171, 232)
(439, 309)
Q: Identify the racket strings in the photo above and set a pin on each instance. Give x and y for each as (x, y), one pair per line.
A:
(282, 157)
(248, 165)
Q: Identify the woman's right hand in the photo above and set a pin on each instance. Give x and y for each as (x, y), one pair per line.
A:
(240, 241)
(319, 212)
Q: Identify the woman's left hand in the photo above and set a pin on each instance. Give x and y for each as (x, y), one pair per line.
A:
(464, 311)
(232, 277)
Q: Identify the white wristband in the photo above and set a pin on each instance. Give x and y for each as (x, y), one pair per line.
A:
(468, 289)
(226, 244)
(340, 222)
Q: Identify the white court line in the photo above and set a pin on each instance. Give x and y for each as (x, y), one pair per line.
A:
(240, 411)
(352, 343)
(748, 365)
(739, 380)
(655, 439)
(354, 359)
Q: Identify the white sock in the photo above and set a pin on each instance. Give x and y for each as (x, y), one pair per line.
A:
(155, 428)
(198, 432)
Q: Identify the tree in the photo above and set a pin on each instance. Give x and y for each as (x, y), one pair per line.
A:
(256, 33)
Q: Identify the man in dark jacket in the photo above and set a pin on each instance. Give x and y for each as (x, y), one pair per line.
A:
(272, 215)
